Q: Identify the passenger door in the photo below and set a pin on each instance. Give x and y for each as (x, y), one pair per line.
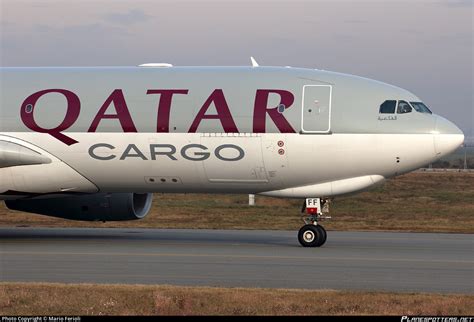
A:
(316, 109)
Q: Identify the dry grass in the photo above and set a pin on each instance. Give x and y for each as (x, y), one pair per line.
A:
(429, 202)
(86, 299)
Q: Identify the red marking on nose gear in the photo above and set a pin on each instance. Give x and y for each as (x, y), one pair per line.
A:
(312, 210)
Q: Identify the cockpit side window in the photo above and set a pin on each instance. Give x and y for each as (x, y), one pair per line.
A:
(420, 107)
(388, 107)
(403, 107)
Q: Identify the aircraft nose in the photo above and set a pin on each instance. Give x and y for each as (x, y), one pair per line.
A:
(448, 137)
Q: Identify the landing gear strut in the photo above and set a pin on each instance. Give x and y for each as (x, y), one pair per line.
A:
(312, 234)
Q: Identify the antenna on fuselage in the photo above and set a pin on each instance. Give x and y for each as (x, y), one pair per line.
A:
(254, 62)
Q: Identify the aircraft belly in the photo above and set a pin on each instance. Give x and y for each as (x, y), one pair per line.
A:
(211, 162)
(165, 162)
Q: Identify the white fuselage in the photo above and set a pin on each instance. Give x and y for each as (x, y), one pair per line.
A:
(222, 133)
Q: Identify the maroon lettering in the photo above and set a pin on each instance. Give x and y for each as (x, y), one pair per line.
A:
(72, 113)
(123, 115)
(223, 113)
(261, 110)
(164, 106)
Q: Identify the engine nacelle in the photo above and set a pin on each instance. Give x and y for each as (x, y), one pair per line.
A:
(95, 207)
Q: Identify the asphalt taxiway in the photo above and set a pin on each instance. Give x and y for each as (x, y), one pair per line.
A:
(415, 262)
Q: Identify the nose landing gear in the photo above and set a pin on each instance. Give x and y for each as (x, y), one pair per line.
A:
(312, 234)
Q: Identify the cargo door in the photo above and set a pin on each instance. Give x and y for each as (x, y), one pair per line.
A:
(234, 158)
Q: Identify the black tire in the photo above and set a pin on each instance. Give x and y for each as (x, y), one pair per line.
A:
(324, 235)
(309, 236)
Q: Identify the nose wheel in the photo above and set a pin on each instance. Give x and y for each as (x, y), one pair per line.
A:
(312, 234)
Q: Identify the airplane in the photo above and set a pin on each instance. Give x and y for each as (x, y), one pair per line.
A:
(94, 143)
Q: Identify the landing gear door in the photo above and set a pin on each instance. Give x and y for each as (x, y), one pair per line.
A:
(316, 109)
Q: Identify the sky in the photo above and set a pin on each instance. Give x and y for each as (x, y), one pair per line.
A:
(424, 46)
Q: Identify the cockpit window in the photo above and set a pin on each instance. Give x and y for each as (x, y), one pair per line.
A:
(403, 107)
(388, 107)
(420, 107)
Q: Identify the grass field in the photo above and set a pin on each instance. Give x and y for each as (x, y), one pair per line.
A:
(429, 202)
(87, 299)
